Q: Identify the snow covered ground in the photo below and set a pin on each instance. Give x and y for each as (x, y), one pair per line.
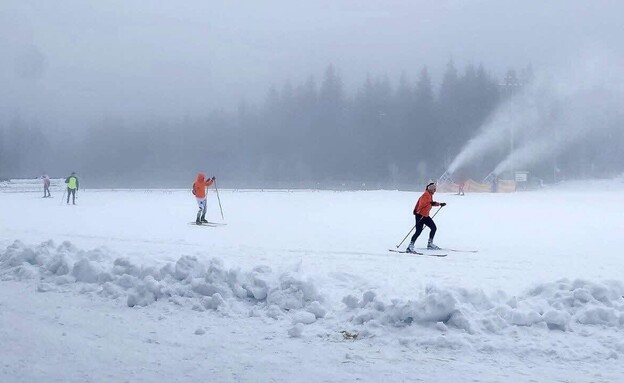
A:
(300, 287)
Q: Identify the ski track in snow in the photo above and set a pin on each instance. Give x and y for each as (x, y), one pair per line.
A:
(352, 307)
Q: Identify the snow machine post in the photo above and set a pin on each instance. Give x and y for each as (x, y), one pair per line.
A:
(413, 227)
(445, 178)
(488, 179)
(218, 199)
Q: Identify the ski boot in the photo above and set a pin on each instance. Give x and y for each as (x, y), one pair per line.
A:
(431, 246)
(410, 248)
(203, 220)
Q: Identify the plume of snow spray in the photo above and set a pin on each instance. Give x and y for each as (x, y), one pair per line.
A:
(551, 114)
(591, 107)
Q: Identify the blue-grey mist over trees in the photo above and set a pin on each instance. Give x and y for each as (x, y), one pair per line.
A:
(324, 94)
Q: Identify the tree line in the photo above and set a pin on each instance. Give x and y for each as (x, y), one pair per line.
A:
(311, 134)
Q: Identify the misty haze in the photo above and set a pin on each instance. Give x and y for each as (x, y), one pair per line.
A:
(309, 95)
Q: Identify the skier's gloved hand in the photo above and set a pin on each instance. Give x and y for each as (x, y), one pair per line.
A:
(213, 178)
(443, 204)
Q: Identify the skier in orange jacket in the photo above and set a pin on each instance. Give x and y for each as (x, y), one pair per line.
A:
(199, 191)
(421, 211)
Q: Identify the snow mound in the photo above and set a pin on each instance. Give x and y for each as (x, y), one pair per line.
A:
(442, 317)
(563, 306)
(203, 286)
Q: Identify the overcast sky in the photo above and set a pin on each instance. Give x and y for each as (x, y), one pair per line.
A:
(70, 59)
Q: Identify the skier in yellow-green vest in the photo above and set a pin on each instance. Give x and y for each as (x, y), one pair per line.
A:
(72, 186)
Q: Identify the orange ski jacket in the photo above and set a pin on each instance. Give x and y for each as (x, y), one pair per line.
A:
(199, 186)
(424, 204)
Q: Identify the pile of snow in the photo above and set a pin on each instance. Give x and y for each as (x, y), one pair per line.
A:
(562, 306)
(550, 320)
(186, 282)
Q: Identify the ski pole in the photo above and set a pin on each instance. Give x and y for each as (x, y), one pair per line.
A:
(218, 199)
(437, 211)
(413, 227)
(410, 232)
(63, 197)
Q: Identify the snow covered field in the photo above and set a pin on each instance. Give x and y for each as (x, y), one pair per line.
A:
(300, 287)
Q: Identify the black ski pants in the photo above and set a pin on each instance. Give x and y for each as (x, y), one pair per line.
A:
(71, 192)
(420, 224)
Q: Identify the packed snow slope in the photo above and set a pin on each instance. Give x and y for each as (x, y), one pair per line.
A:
(299, 286)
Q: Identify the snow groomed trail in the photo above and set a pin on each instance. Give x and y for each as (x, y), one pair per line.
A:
(120, 279)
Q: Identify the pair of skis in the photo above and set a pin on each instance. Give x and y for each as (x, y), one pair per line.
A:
(432, 253)
(419, 253)
(208, 224)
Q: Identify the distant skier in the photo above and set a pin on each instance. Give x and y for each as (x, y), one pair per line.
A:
(460, 177)
(46, 186)
(199, 191)
(461, 185)
(72, 187)
(421, 211)
(495, 184)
